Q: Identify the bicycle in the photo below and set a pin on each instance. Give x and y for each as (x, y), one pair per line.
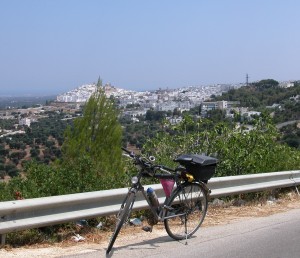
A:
(185, 205)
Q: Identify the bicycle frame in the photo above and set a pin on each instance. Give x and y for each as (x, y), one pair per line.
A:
(160, 214)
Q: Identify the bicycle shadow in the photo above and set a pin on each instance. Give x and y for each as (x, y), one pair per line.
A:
(147, 244)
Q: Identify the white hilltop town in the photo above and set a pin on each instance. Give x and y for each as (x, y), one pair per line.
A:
(136, 103)
(161, 100)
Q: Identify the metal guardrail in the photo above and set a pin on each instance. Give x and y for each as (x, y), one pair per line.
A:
(39, 212)
(225, 186)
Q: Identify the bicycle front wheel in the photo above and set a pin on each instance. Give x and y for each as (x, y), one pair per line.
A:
(186, 211)
(122, 216)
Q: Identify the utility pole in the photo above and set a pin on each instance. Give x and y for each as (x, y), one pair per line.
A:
(247, 79)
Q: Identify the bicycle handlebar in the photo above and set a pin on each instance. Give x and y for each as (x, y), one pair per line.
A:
(147, 164)
(131, 153)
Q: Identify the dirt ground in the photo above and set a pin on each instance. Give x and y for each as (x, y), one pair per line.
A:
(223, 213)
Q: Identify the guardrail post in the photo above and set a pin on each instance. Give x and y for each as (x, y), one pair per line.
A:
(2, 240)
(297, 190)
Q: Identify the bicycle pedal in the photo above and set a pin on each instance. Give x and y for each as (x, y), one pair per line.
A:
(147, 229)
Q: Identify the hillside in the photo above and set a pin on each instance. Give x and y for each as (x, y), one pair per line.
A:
(283, 104)
(266, 93)
(261, 94)
(42, 140)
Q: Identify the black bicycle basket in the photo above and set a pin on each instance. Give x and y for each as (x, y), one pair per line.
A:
(200, 166)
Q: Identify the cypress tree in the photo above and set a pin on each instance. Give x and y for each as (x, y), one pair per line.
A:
(97, 134)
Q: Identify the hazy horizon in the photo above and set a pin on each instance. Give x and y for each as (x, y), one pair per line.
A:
(51, 47)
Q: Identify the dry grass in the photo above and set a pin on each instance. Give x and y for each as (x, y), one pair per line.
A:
(225, 215)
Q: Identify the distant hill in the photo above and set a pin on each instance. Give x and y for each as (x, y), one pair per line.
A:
(267, 94)
(261, 94)
(83, 93)
(24, 102)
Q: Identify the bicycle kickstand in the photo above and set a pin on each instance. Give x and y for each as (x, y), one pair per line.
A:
(186, 233)
(147, 228)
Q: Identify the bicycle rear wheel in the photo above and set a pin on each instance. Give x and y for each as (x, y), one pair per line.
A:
(122, 216)
(186, 211)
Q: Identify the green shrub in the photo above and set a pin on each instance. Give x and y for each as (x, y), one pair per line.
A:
(239, 152)
(13, 172)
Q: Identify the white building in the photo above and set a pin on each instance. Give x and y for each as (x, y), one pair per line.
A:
(25, 121)
(174, 120)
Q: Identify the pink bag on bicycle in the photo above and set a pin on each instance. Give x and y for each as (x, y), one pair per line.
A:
(167, 185)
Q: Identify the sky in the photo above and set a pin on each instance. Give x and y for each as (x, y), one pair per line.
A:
(53, 46)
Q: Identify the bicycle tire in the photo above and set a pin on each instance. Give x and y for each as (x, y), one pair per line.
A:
(190, 200)
(122, 216)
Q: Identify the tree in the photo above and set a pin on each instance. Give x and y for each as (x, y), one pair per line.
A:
(152, 115)
(267, 83)
(34, 152)
(2, 174)
(3, 151)
(216, 115)
(97, 135)
(176, 112)
(99, 83)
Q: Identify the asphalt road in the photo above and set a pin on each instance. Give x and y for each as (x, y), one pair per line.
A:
(276, 236)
